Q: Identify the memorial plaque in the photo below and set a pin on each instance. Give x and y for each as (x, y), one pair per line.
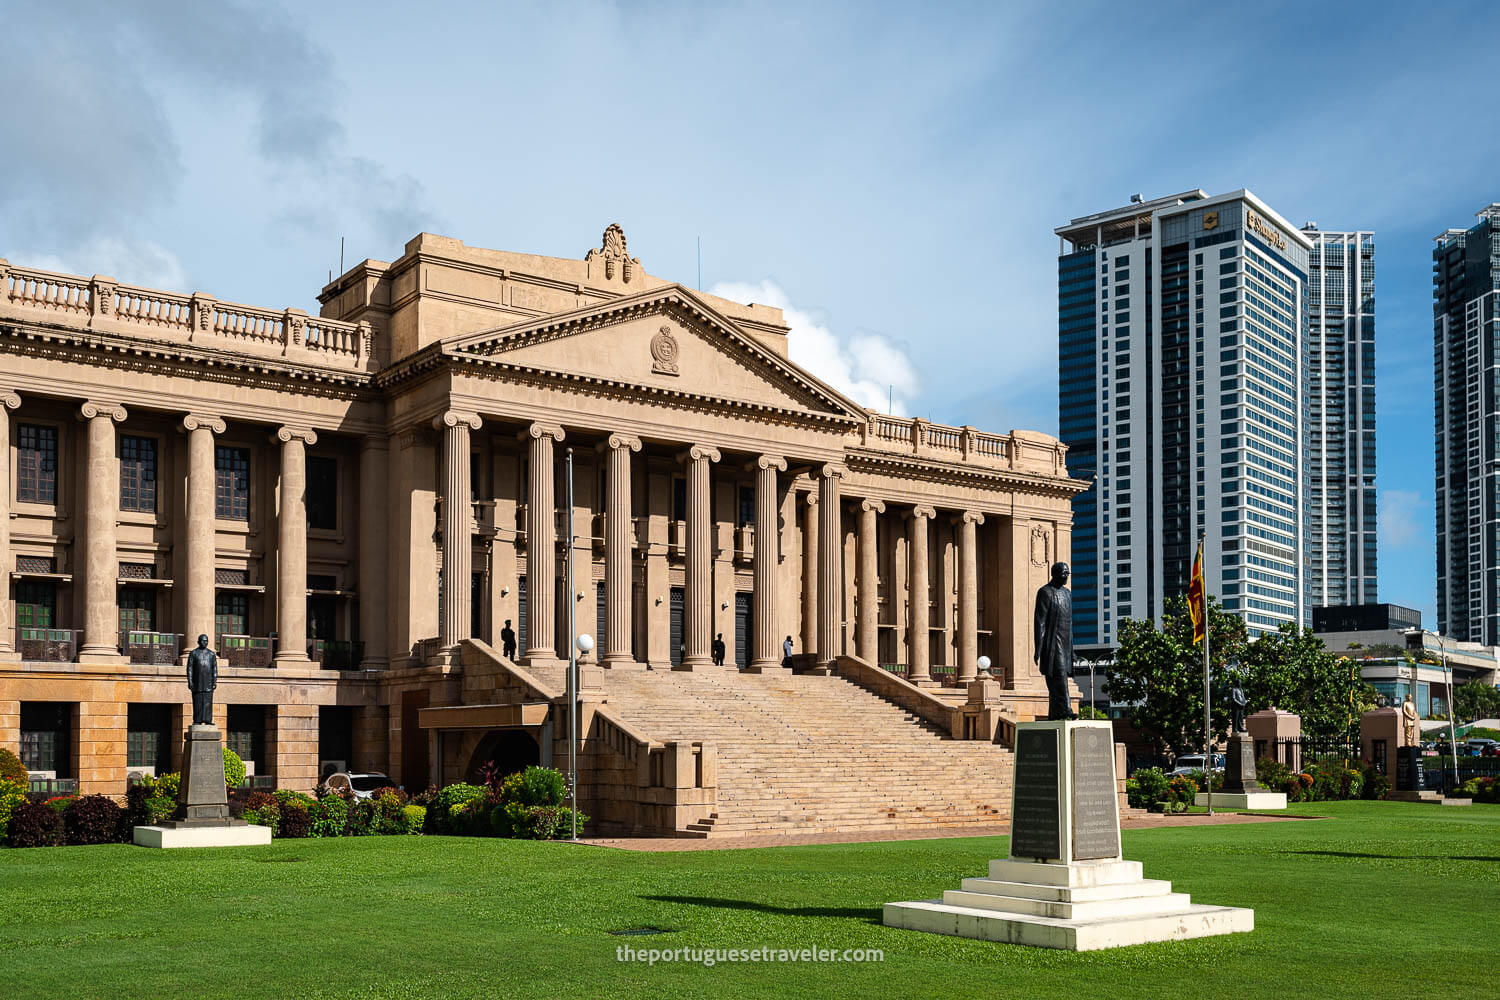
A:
(1409, 776)
(1036, 825)
(1239, 765)
(1096, 817)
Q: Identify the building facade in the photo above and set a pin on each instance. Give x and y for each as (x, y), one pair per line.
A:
(1183, 394)
(1341, 417)
(1466, 322)
(354, 505)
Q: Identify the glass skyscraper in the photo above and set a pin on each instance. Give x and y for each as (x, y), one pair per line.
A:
(1183, 393)
(1341, 417)
(1466, 324)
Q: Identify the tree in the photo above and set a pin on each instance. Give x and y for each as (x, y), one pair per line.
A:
(1159, 673)
(1474, 701)
(1292, 670)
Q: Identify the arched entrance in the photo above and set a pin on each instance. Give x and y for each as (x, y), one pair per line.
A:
(510, 750)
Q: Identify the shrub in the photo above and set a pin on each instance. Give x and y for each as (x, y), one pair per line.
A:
(440, 808)
(416, 818)
(92, 819)
(362, 813)
(1489, 789)
(11, 768)
(59, 803)
(1151, 786)
(12, 794)
(297, 819)
(535, 786)
(234, 769)
(1181, 789)
(35, 824)
(1158, 807)
(539, 822)
(1376, 785)
(262, 809)
(390, 812)
(1272, 773)
(332, 816)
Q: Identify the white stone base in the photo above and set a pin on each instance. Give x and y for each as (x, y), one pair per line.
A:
(1244, 800)
(1084, 906)
(247, 835)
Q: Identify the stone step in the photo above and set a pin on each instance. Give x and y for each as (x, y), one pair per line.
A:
(1137, 905)
(1065, 894)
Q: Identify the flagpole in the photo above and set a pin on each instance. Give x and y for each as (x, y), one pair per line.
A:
(1208, 742)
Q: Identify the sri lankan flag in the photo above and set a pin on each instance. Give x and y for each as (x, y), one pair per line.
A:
(1198, 599)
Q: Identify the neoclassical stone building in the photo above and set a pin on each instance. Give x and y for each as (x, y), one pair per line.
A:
(352, 505)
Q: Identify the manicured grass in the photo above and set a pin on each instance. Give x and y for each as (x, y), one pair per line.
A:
(1357, 905)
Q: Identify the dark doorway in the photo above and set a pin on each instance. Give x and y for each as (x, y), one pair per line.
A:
(679, 600)
(744, 615)
(416, 774)
(510, 750)
(246, 735)
(335, 737)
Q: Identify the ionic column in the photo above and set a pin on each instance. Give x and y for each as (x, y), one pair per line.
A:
(101, 615)
(766, 650)
(198, 547)
(698, 615)
(8, 401)
(810, 575)
(618, 535)
(918, 629)
(968, 596)
(830, 564)
(291, 545)
(374, 549)
(541, 543)
(458, 530)
(869, 581)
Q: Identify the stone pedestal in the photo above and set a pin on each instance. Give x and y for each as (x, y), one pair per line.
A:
(1066, 884)
(1239, 765)
(203, 801)
(1409, 774)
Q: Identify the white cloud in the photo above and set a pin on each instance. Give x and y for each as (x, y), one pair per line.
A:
(1405, 518)
(873, 370)
(139, 262)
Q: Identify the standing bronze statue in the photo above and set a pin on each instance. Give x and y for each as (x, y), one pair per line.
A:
(1237, 703)
(202, 679)
(1054, 641)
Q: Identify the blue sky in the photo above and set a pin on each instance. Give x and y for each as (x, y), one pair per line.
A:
(891, 174)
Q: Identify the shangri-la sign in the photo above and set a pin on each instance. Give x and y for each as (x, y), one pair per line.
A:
(1264, 228)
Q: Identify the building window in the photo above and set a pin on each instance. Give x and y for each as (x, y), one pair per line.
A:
(322, 493)
(46, 736)
(36, 464)
(747, 506)
(231, 614)
(138, 473)
(137, 609)
(232, 483)
(36, 604)
(679, 499)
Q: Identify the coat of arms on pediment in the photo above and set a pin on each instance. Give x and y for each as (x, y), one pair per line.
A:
(664, 352)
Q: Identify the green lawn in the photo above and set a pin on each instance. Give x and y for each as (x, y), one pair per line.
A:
(1361, 904)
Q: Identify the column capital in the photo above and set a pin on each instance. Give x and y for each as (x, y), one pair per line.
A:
(970, 517)
(699, 452)
(9, 398)
(617, 441)
(94, 408)
(768, 462)
(452, 418)
(194, 421)
(288, 433)
(833, 470)
(870, 503)
(539, 430)
(922, 510)
(375, 442)
(811, 497)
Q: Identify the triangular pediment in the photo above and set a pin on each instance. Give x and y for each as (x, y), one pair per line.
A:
(666, 339)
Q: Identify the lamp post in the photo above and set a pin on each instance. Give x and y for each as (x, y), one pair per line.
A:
(1447, 680)
(583, 644)
(983, 665)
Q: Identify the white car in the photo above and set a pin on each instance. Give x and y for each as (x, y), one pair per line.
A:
(1190, 762)
(362, 785)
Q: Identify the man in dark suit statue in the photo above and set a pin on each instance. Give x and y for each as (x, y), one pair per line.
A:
(1054, 641)
(508, 641)
(202, 679)
(1237, 703)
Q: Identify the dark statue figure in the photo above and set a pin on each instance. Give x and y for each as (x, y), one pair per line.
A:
(1236, 709)
(202, 679)
(1054, 641)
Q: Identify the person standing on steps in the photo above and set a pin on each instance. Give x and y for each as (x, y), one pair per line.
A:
(718, 650)
(508, 641)
(786, 653)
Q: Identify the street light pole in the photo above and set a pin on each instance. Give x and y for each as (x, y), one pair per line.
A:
(1452, 729)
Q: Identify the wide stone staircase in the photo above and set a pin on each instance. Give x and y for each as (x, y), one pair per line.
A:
(807, 754)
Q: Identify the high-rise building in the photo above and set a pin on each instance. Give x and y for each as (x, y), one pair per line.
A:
(1341, 416)
(1183, 394)
(1466, 323)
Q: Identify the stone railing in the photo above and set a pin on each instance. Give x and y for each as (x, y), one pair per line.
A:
(103, 305)
(1026, 451)
(675, 783)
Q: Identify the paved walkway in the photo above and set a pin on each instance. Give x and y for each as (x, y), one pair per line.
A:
(1127, 822)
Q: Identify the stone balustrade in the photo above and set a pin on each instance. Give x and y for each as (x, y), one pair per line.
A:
(1020, 451)
(102, 305)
